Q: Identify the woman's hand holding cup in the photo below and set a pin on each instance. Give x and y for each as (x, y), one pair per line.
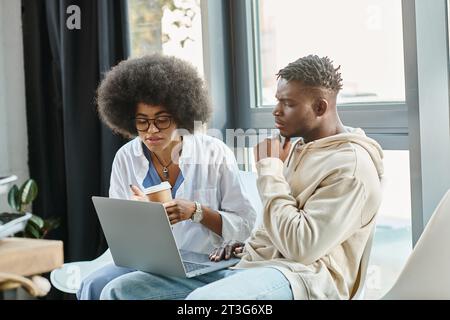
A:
(138, 195)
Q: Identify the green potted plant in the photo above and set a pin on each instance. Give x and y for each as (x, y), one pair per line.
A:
(19, 199)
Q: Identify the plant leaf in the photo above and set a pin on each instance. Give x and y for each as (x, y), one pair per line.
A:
(28, 192)
(31, 231)
(37, 221)
(13, 197)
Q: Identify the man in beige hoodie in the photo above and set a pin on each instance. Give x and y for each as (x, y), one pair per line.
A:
(320, 198)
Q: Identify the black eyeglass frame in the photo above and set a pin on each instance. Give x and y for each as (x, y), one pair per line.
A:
(154, 121)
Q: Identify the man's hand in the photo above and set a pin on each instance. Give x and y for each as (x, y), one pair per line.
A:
(138, 195)
(179, 210)
(271, 148)
(226, 251)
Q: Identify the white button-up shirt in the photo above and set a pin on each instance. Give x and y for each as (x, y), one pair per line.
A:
(211, 177)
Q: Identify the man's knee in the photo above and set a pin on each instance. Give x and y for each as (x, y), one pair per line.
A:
(201, 294)
(205, 293)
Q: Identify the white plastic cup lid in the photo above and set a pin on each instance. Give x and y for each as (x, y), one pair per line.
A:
(159, 187)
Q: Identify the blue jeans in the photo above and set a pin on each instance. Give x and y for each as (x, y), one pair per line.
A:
(251, 284)
(93, 284)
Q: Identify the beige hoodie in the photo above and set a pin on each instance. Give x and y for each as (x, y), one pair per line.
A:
(319, 209)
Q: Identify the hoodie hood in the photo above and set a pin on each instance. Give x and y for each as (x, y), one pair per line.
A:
(353, 135)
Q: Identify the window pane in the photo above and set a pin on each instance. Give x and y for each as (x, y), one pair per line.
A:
(363, 36)
(172, 27)
(392, 244)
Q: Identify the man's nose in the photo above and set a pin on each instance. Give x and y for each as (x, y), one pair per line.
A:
(277, 110)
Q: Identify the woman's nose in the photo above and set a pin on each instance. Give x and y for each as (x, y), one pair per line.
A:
(152, 128)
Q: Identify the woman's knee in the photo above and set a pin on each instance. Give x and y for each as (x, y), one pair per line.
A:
(90, 288)
(136, 286)
(121, 288)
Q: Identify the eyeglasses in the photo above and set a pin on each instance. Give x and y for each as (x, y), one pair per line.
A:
(161, 123)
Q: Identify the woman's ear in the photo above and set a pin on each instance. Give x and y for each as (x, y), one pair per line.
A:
(320, 106)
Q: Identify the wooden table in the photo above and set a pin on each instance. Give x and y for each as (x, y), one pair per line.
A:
(27, 257)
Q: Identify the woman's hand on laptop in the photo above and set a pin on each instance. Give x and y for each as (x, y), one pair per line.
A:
(226, 250)
(138, 195)
(179, 210)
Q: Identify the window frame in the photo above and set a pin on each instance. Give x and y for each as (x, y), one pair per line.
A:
(385, 120)
(427, 56)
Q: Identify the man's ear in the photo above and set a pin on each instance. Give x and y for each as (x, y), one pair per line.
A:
(320, 106)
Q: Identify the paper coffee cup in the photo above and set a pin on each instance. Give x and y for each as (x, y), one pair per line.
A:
(159, 193)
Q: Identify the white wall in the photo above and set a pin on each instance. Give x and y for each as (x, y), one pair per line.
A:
(13, 128)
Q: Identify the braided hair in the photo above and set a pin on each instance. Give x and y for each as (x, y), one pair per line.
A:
(313, 71)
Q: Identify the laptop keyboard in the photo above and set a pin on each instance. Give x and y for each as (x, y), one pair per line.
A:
(191, 266)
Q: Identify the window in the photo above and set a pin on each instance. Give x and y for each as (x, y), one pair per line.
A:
(172, 27)
(364, 37)
(413, 31)
(392, 243)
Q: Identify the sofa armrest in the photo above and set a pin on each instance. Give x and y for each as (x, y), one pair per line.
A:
(68, 278)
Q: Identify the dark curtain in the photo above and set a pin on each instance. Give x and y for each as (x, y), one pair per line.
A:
(70, 151)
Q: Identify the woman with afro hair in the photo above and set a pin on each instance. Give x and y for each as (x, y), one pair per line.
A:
(158, 101)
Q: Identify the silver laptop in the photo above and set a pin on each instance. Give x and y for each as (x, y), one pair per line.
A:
(139, 236)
